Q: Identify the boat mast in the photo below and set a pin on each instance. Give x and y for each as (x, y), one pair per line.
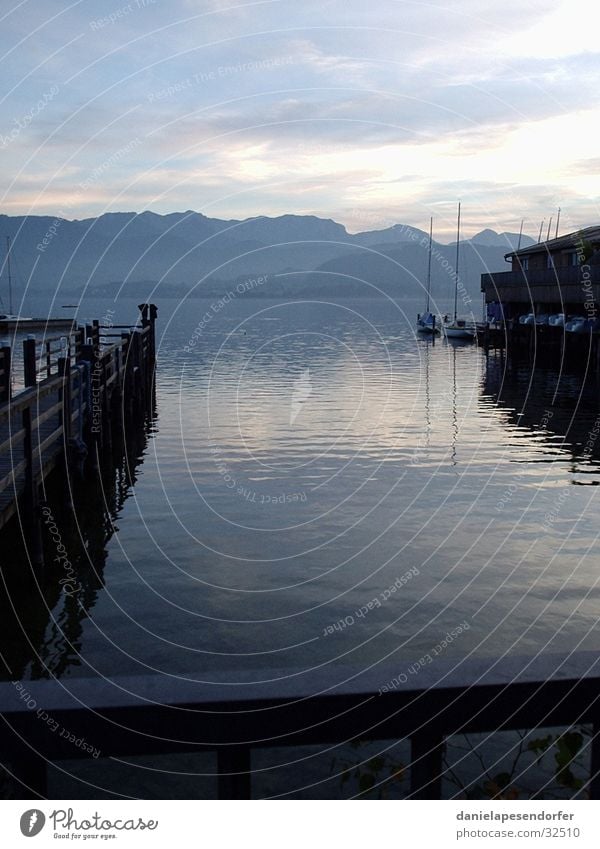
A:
(541, 229)
(456, 264)
(429, 263)
(10, 303)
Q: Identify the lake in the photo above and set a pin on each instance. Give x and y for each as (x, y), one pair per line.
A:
(320, 487)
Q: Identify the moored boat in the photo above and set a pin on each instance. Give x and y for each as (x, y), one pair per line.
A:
(458, 328)
(427, 322)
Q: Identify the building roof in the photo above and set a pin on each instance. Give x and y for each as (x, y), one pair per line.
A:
(571, 240)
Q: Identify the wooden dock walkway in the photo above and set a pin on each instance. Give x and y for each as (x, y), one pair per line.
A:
(75, 388)
(543, 345)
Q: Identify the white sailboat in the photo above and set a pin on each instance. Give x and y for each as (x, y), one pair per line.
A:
(458, 328)
(9, 316)
(426, 323)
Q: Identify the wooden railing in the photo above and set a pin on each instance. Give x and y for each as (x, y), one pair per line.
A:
(562, 276)
(74, 386)
(41, 358)
(160, 714)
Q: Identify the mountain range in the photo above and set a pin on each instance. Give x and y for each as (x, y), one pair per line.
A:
(299, 255)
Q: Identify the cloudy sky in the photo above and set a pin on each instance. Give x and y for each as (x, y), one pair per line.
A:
(370, 113)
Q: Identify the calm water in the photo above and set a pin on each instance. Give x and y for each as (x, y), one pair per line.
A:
(308, 458)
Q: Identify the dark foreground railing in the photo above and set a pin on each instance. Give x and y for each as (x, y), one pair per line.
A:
(48, 720)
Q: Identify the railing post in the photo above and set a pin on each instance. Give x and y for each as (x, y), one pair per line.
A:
(594, 785)
(48, 359)
(65, 395)
(6, 388)
(106, 404)
(31, 503)
(234, 780)
(64, 370)
(426, 764)
(92, 423)
(79, 342)
(27, 766)
(29, 361)
(126, 379)
(96, 332)
(134, 356)
(149, 314)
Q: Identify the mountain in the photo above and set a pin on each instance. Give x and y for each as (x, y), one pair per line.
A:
(393, 269)
(187, 251)
(397, 234)
(507, 241)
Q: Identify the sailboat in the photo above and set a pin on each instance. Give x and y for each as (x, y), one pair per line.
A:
(458, 328)
(10, 316)
(426, 323)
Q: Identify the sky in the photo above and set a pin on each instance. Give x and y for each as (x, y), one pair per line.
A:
(370, 113)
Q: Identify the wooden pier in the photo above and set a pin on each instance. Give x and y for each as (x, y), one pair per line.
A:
(76, 387)
(543, 345)
(28, 325)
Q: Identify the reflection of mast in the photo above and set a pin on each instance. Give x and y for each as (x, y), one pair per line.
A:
(427, 400)
(10, 303)
(454, 414)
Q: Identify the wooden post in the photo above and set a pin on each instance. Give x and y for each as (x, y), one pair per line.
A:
(89, 334)
(126, 381)
(96, 335)
(31, 503)
(91, 423)
(426, 765)
(27, 766)
(48, 359)
(135, 354)
(29, 361)
(149, 314)
(66, 396)
(79, 342)
(233, 764)
(6, 387)
(594, 786)
(64, 370)
(106, 407)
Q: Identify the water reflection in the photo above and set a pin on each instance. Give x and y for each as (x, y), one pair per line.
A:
(402, 454)
(42, 615)
(558, 408)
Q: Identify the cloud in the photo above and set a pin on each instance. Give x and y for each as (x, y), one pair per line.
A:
(321, 107)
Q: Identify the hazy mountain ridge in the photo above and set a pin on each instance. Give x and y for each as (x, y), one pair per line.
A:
(189, 251)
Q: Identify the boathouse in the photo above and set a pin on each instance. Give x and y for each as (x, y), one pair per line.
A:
(561, 275)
